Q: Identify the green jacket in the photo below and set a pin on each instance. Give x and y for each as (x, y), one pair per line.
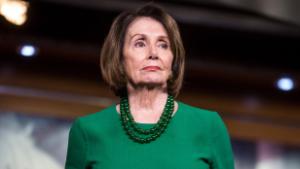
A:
(194, 139)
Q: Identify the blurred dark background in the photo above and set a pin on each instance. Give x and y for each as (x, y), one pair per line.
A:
(242, 61)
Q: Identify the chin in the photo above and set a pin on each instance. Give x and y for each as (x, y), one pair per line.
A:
(151, 82)
(154, 80)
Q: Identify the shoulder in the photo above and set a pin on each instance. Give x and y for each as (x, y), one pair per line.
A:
(200, 116)
(96, 120)
(100, 115)
(190, 110)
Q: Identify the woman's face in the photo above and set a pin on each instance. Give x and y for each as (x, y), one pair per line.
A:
(147, 53)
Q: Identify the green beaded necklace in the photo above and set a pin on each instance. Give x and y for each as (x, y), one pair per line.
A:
(141, 135)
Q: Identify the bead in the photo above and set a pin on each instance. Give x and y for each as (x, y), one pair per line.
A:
(135, 133)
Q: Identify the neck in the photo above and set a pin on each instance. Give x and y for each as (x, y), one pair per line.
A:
(146, 105)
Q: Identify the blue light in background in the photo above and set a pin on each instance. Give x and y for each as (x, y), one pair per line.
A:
(285, 84)
(27, 50)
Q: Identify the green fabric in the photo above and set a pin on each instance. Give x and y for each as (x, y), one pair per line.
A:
(194, 139)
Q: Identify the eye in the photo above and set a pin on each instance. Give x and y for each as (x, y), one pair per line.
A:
(139, 44)
(164, 45)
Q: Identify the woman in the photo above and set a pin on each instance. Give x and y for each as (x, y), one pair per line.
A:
(142, 60)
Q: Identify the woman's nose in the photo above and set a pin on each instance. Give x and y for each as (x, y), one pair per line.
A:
(153, 53)
(153, 57)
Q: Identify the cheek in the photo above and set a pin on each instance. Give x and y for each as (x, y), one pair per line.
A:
(132, 64)
(128, 66)
(168, 62)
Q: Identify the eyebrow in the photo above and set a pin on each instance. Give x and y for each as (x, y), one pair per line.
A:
(135, 35)
(161, 36)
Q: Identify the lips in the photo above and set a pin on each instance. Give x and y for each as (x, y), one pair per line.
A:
(151, 68)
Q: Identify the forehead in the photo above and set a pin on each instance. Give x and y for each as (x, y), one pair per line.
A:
(146, 25)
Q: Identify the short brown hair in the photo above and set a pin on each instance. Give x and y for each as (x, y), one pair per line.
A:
(111, 54)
